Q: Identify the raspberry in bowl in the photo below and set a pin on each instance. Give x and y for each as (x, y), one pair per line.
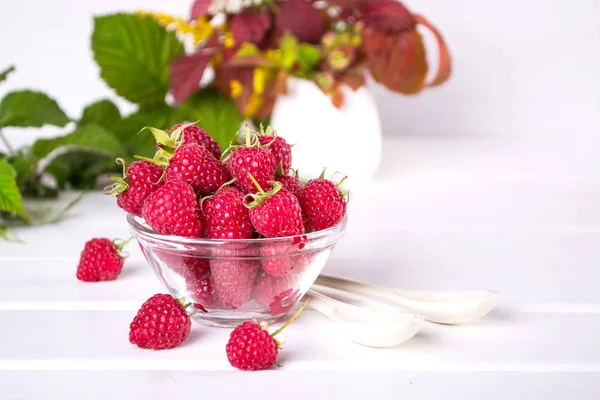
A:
(233, 280)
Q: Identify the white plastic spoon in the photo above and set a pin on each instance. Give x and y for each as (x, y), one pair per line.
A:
(444, 307)
(365, 326)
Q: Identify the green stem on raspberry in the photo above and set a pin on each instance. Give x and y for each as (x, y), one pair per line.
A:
(290, 321)
(122, 162)
(322, 176)
(261, 191)
(341, 182)
(120, 245)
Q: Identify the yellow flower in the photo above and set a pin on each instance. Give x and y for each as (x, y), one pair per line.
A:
(229, 40)
(259, 80)
(274, 55)
(202, 30)
(163, 19)
(216, 60)
(253, 106)
(236, 88)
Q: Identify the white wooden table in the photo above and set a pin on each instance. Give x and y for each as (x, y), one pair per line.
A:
(444, 228)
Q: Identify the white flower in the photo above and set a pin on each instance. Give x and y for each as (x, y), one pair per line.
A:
(231, 6)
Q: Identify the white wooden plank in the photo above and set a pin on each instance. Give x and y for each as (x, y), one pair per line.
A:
(39, 284)
(502, 342)
(295, 385)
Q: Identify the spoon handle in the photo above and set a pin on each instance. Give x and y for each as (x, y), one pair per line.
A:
(436, 306)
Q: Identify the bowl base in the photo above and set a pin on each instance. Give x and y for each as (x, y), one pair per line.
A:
(231, 320)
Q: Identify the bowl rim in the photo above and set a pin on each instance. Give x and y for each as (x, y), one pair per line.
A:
(138, 228)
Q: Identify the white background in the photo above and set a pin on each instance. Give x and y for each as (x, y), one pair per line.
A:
(525, 90)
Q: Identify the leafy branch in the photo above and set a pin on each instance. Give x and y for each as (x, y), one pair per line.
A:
(134, 54)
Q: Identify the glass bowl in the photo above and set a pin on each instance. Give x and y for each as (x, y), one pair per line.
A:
(232, 281)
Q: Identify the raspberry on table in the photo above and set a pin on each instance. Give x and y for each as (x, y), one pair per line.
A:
(100, 260)
(251, 347)
(161, 323)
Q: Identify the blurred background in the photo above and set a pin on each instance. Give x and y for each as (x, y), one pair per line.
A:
(509, 142)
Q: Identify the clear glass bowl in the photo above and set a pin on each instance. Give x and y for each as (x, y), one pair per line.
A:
(231, 281)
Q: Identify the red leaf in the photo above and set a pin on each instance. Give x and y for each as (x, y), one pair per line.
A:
(387, 15)
(249, 26)
(301, 19)
(245, 75)
(249, 61)
(187, 71)
(353, 78)
(444, 64)
(199, 8)
(396, 60)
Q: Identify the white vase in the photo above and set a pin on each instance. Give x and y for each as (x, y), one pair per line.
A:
(347, 140)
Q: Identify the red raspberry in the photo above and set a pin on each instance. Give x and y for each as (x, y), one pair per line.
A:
(276, 213)
(173, 210)
(251, 160)
(201, 289)
(290, 183)
(282, 259)
(161, 323)
(268, 289)
(226, 216)
(233, 280)
(140, 179)
(184, 266)
(323, 205)
(280, 149)
(193, 134)
(251, 347)
(195, 165)
(100, 260)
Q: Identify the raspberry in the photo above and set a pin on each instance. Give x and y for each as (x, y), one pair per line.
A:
(276, 213)
(233, 280)
(251, 160)
(140, 179)
(161, 323)
(173, 210)
(100, 260)
(280, 149)
(290, 183)
(269, 289)
(282, 259)
(323, 205)
(201, 290)
(251, 347)
(226, 216)
(195, 165)
(193, 134)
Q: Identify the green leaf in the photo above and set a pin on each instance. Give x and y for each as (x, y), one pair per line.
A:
(27, 108)
(5, 73)
(216, 113)
(7, 234)
(135, 54)
(143, 143)
(308, 58)
(42, 215)
(103, 113)
(24, 163)
(289, 51)
(75, 158)
(10, 198)
(91, 138)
